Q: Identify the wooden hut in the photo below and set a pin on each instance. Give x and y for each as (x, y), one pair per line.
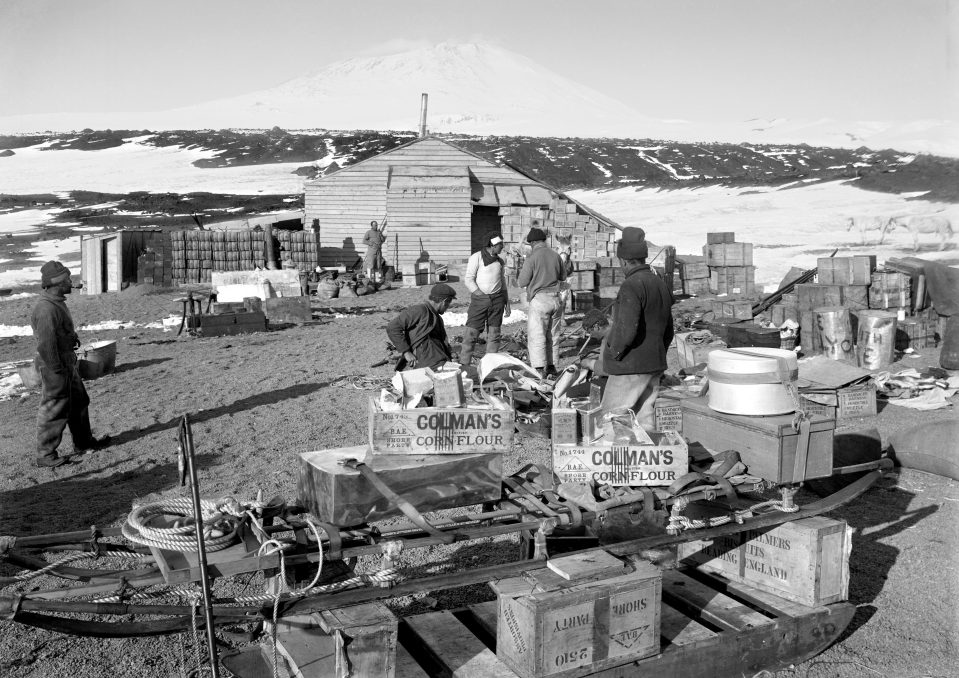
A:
(108, 260)
(439, 201)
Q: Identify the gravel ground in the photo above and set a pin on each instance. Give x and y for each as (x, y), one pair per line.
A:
(257, 400)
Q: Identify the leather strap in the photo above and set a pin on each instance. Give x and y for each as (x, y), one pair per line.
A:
(802, 451)
(396, 500)
(334, 549)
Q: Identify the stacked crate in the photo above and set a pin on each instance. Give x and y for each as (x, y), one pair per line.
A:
(582, 285)
(694, 274)
(155, 264)
(890, 290)
(195, 254)
(730, 263)
(300, 248)
(608, 280)
(843, 282)
(566, 226)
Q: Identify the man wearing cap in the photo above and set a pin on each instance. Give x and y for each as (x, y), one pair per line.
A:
(418, 332)
(634, 349)
(373, 260)
(541, 275)
(489, 300)
(63, 400)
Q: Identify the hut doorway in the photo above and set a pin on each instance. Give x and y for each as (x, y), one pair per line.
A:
(110, 264)
(484, 220)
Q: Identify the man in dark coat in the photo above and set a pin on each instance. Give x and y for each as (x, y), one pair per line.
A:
(634, 349)
(64, 400)
(418, 332)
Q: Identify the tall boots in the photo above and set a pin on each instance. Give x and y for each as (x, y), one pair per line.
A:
(492, 340)
(470, 335)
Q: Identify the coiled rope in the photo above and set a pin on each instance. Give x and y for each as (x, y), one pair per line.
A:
(678, 522)
(219, 527)
(361, 382)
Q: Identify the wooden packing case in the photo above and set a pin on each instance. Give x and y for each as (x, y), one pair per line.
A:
(440, 430)
(550, 626)
(624, 464)
(342, 496)
(806, 561)
(767, 445)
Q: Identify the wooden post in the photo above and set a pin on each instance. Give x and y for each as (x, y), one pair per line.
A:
(670, 266)
(268, 250)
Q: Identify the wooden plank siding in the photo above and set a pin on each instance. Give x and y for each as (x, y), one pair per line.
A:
(426, 189)
(442, 178)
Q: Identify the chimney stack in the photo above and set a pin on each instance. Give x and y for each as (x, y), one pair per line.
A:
(423, 115)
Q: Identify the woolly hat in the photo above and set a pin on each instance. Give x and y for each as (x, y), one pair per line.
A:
(442, 291)
(633, 244)
(535, 234)
(53, 273)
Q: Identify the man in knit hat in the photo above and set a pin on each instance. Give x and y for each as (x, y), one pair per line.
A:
(63, 400)
(418, 331)
(634, 349)
(541, 275)
(489, 300)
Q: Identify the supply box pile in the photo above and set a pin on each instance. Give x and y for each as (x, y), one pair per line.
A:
(433, 440)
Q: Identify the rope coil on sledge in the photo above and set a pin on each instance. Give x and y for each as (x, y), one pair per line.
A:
(219, 527)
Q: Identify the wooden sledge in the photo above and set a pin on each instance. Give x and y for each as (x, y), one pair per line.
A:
(711, 628)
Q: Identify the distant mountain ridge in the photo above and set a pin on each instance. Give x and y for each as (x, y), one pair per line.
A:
(481, 89)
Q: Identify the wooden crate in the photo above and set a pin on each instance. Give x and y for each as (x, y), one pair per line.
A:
(732, 280)
(855, 270)
(767, 445)
(890, 290)
(806, 561)
(720, 237)
(916, 333)
(582, 281)
(691, 354)
(360, 640)
(696, 286)
(550, 626)
(811, 296)
(435, 430)
(583, 301)
(288, 309)
(855, 296)
(845, 403)
(809, 339)
(340, 495)
(669, 413)
(694, 270)
(624, 465)
(729, 254)
(564, 425)
(780, 313)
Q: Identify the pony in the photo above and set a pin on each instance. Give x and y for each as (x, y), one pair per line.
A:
(864, 224)
(932, 223)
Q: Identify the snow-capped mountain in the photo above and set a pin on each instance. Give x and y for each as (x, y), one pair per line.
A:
(481, 89)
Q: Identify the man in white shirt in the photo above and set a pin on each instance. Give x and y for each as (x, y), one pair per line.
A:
(489, 300)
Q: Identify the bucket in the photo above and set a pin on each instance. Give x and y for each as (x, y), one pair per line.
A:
(876, 339)
(835, 332)
(103, 353)
(749, 382)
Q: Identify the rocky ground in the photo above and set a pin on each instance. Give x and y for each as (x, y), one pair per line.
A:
(258, 400)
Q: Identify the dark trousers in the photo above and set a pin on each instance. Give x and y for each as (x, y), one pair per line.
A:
(63, 402)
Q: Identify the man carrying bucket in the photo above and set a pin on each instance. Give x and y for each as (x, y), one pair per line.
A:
(63, 400)
(634, 349)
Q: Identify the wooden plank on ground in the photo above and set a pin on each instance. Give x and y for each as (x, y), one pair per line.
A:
(716, 608)
(587, 564)
(452, 645)
(406, 666)
(486, 614)
(308, 651)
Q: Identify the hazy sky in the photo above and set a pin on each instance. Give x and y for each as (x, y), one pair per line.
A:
(695, 59)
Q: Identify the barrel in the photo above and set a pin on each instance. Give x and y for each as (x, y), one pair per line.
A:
(876, 339)
(749, 381)
(102, 352)
(835, 332)
(949, 355)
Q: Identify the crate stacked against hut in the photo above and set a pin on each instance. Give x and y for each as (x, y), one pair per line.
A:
(196, 254)
(299, 249)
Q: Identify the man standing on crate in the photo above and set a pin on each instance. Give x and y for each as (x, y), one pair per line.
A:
(63, 400)
(373, 260)
(489, 299)
(541, 275)
(634, 349)
(418, 332)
